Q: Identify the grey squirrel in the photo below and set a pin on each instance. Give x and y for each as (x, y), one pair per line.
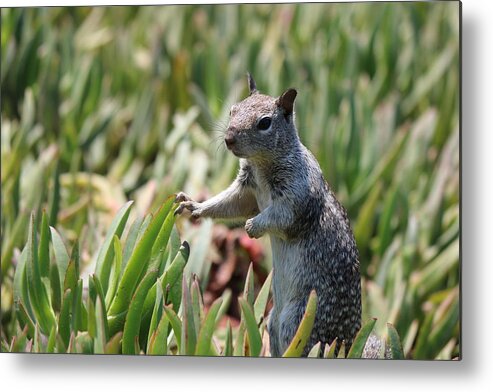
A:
(280, 190)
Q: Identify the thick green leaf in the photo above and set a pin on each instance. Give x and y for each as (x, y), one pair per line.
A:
(226, 301)
(330, 350)
(44, 247)
(113, 345)
(56, 289)
(188, 331)
(175, 323)
(64, 318)
(103, 321)
(115, 271)
(410, 337)
(435, 271)
(364, 227)
(19, 342)
(228, 344)
(50, 346)
(138, 262)
(262, 298)
(173, 276)
(356, 350)
(174, 244)
(17, 235)
(84, 343)
(71, 349)
(394, 342)
(101, 327)
(91, 317)
(116, 322)
(106, 252)
(61, 255)
(443, 329)
(197, 304)
(131, 238)
(207, 329)
(37, 291)
(171, 284)
(342, 351)
(4, 346)
(79, 313)
(315, 351)
(254, 338)
(385, 164)
(302, 335)
(158, 341)
(197, 261)
(24, 319)
(132, 322)
(157, 311)
(55, 196)
(162, 239)
(72, 270)
(21, 294)
(385, 232)
(249, 289)
(239, 346)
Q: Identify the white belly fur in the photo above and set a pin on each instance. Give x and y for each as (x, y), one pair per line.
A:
(285, 259)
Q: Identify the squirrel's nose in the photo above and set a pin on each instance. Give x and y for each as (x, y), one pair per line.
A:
(229, 139)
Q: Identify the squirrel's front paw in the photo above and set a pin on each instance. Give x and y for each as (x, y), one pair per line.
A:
(186, 203)
(253, 229)
(191, 206)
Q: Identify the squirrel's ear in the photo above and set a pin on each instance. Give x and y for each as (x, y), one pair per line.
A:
(286, 100)
(251, 84)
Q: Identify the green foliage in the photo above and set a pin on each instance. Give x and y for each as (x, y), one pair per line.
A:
(300, 340)
(105, 105)
(82, 324)
(357, 348)
(106, 332)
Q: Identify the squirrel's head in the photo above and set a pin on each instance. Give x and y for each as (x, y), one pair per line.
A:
(261, 125)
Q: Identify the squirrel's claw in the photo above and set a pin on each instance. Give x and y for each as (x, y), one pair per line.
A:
(185, 203)
(179, 210)
(191, 206)
(182, 196)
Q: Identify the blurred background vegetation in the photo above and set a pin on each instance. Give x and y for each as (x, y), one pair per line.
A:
(113, 104)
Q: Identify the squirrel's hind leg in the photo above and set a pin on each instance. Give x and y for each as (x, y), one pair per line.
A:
(273, 329)
(289, 320)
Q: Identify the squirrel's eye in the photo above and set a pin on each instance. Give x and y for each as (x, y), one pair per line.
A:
(264, 123)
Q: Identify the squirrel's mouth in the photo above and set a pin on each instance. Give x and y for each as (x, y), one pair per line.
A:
(231, 147)
(235, 152)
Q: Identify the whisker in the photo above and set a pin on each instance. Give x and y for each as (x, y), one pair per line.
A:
(217, 130)
(219, 146)
(216, 140)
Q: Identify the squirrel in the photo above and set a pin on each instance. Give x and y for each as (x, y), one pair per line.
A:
(280, 190)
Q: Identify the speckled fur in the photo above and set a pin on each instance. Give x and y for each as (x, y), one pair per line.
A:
(281, 191)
